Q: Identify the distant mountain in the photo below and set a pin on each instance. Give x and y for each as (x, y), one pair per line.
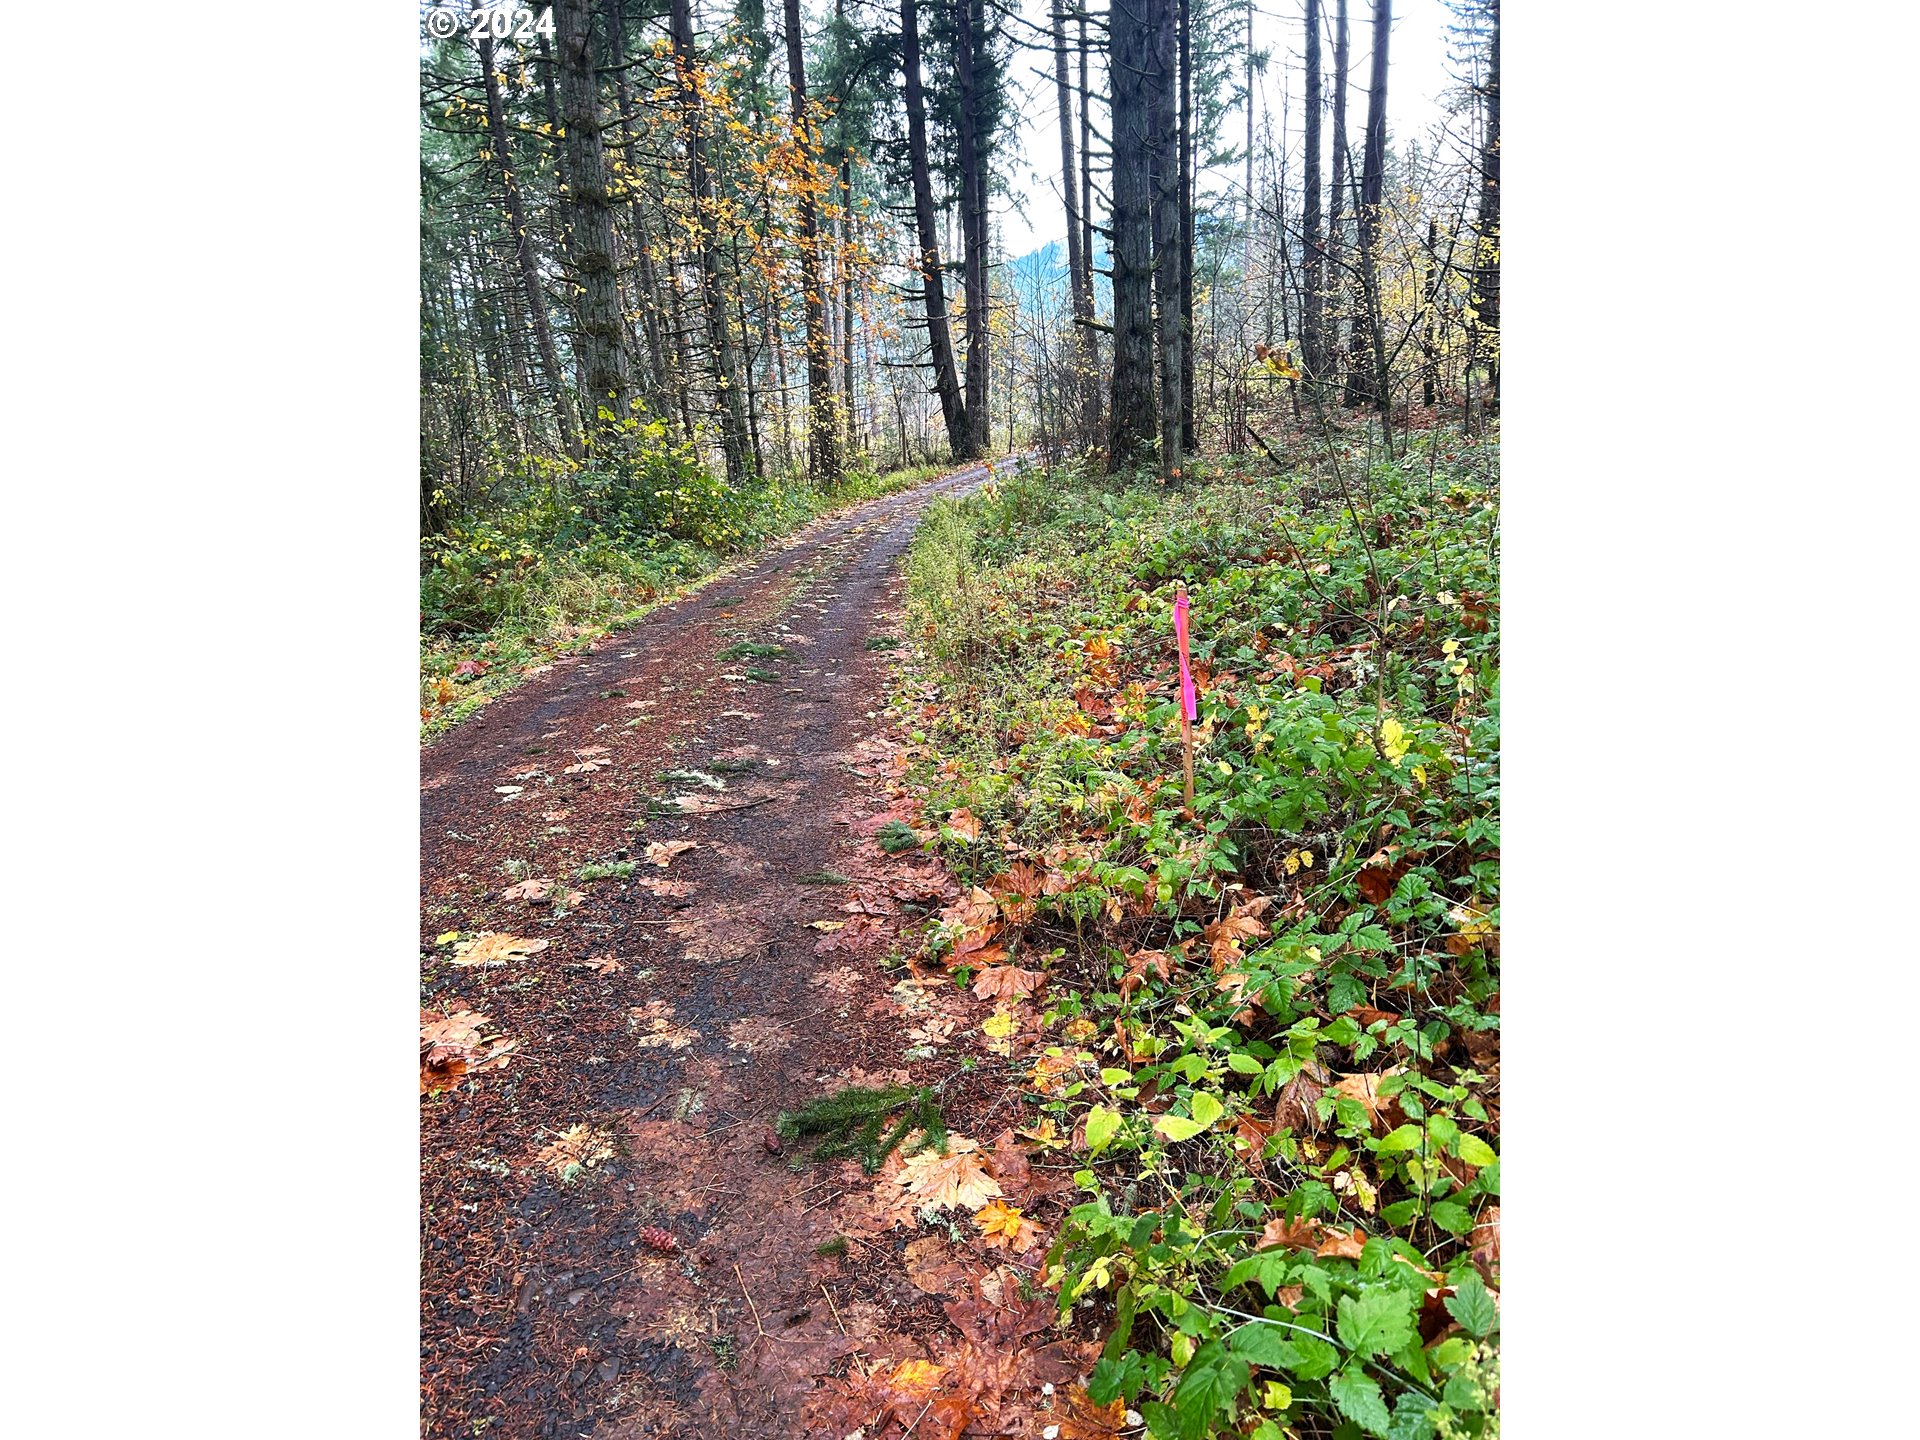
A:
(1046, 268)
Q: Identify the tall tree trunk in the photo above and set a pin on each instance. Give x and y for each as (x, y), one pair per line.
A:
(823, 420)
(1486, 273)
(523, 252)
(946, 379)
(970, 35)
(1131, 424)
(1312, 341)
(1079, 261)
(1366, 384)
(848, 316)
(1086, 228)
(599, 331)
(1335, 350)
(1168, 257)
(1187, 445)
(653, 372)
(735, 438)
(1429, 345)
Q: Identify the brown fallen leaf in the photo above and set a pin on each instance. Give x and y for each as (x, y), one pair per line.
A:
(1225, 936)
(1293, 1108)
(1004, 1226)
(602, 964)
(1006, 982)
(1347, 1246)
(1366, 1090)
(492, 948)
(528, 890)
(455, 1045)
(964, 823)
(1078, 1418)
(579, 1147)
(665, 889)
(1294, 1234)
(934, 1269)
(664, 852)
(1139, 963)
(1485, 1240)
(955, 1179)
(656, 1018)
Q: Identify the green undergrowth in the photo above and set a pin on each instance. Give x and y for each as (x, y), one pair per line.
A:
(1274, 1025)
(550, 559)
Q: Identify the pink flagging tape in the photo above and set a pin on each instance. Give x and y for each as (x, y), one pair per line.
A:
(1189, 700)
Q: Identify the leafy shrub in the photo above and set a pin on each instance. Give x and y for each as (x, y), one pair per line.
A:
(1289, 1143)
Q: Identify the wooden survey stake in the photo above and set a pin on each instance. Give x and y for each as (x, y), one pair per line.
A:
(1189, 701)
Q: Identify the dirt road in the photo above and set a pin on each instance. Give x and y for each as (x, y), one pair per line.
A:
(610, 1243)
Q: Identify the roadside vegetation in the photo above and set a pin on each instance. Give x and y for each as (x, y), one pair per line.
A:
(1271, 1048)
(549, 556)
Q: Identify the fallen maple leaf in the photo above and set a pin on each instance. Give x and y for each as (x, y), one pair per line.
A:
(665, 889)
(577, 1148)
(663, 852)
(529, 890)
(1486, 1241)
(602, 964)
(455, 1045)
(1295, 1234)
(1079, 1418)
(1293, 1108)
(492, 948)
(964, 823)
(1006, 982)
(1341, 1243)
(1366, 1090)
(1225, 935)
(955, 1179)
(657, 1017)
(1139, 963)
(1003, 1225)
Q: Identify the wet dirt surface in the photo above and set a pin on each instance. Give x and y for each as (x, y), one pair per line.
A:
(668, 1284)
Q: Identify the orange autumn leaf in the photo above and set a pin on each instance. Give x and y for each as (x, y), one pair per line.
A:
(1004, 1225)
(954, 1180)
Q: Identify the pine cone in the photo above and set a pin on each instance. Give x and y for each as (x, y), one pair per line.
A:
(654, 1238)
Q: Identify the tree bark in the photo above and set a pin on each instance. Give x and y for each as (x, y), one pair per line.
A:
(1168, 256)
(599, 330)
(1086, 228)
(1429, 344)
(1079, 260)
(970, 33)
(1334, 350)
(823, 420)
(734, 435)
(525, 258)
(1187, 440)
(946, 379)
(1131, 424)
(1486, 275)
(1366, 384)
(1312, 341)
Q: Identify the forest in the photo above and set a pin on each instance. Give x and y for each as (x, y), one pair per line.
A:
(1006, 492)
